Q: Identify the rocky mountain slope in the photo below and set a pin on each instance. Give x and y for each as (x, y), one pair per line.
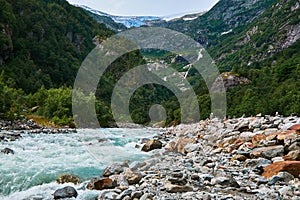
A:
(256, 40)
(221, 19)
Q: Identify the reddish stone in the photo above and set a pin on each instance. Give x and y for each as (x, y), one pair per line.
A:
(151, 145)
(292, 167)
(257, 138)
(295, 127)
(101, 184)
(286, 134)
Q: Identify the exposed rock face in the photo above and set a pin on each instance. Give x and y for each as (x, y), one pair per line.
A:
(229, 80)
(68, 178)
(66, 192)
(101, 184)
(151, 145)
(293, 34)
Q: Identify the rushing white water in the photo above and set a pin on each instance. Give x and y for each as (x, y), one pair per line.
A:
(40, 159)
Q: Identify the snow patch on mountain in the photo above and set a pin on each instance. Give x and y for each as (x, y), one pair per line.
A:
(128, 21)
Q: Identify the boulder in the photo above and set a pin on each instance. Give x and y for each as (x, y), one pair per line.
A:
(267, 152)
(107, 194)
(120, 179)
(256, 139)
(292, 167)
(66, 192)
(295, 127)
(115, 168)
(101, 184)
(224, 181)
(179, 145)
(293, 155)
(7, 151)
(151, 145)
(132, 177)
(191, 148)
(68, 178)
(294, 146)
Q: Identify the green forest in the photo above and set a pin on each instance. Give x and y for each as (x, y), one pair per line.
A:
(43, 43)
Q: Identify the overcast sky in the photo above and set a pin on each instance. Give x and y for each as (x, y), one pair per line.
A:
(147, 7)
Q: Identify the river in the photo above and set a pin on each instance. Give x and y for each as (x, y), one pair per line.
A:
(40, 159)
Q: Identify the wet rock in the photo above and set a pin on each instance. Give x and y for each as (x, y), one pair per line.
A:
(145, 140)
(9, 137)
(101, 183)
(101, 140)
(115, 168)
(68, 178)
(7, 151)
(292, 167)
(66, 192)
(151, 145)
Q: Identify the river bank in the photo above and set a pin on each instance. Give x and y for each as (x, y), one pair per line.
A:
(244, 158)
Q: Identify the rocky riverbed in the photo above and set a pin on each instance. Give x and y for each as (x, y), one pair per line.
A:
(245, 158)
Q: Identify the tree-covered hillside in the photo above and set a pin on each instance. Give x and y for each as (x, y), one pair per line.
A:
(43, 42)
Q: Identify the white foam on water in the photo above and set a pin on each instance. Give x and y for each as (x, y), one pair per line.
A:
(40, 159)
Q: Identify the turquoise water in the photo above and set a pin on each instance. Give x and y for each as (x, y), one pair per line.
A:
(40, 159)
